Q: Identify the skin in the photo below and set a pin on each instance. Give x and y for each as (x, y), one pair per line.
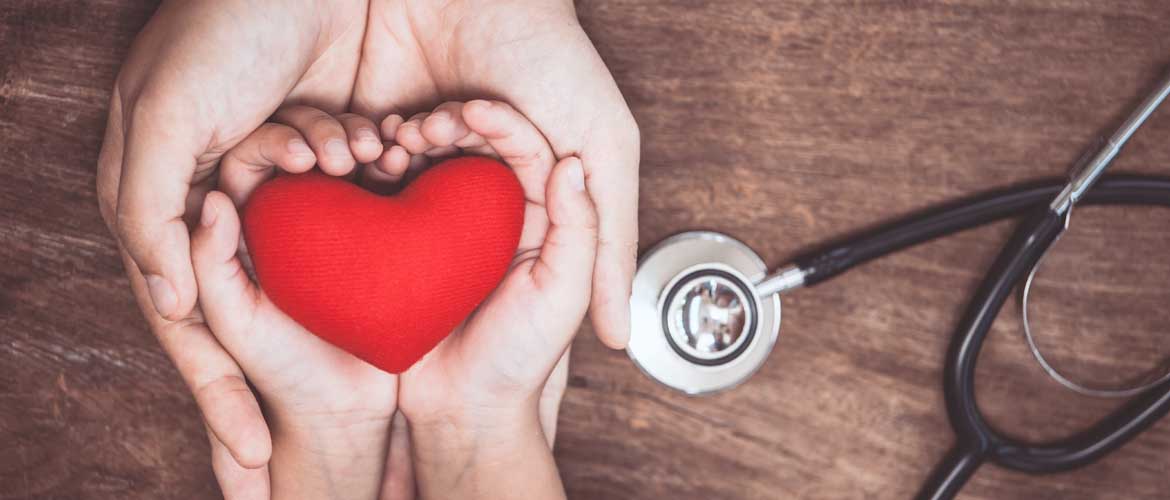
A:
(177, 107)
(491, 428)
(331, 426)
(203, 75)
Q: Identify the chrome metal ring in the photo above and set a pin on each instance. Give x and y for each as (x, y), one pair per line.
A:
(1097, 392)
(683, 279)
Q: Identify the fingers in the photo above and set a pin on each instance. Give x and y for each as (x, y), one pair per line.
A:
(392, 165)
(389, 126)
(233, 414)
(409, 135)
(325, 135)
(157, 166)
(253, 161)
(229, 298)
(364, 141)
(612, 169)
(517, 142)
(229, 407)
(550, 398)
(443, 126)
(564, 269)
(235, 481)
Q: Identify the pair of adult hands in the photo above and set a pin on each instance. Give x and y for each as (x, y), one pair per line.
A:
(204, 74)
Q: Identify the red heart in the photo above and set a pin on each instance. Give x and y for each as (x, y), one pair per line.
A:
(385, 278)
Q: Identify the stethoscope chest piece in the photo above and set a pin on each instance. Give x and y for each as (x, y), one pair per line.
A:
(698, 323)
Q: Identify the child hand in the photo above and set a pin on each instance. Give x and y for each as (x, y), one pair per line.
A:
(329, 412)
(475, 399)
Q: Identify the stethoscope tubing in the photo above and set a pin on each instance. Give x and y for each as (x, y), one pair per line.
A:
(977, 441)
(831, 260)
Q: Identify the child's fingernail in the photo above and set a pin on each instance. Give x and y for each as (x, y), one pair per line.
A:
(299, 148)
(367, 135)
(209, 215)
(576, 176)
(440, 116)
(336, 148)
(162, 294)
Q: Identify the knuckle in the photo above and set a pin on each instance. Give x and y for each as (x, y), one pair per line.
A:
(321, 122)
(216, 388)
(354, 119)
(152, 105)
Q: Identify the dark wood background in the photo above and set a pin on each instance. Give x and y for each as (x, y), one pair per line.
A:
(780, 122)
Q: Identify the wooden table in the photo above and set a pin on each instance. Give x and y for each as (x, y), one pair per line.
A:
(780, 122)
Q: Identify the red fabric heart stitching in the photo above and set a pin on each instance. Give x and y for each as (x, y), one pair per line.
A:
(385, 278)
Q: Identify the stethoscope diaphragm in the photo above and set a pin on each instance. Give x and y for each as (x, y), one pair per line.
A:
(698, 323)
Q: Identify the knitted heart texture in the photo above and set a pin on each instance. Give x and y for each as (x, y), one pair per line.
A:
(385, 278)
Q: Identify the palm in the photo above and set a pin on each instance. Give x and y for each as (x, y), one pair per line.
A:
(456, 57)
(300, 372)
(479, 360)
(287, 363)
(534, 56)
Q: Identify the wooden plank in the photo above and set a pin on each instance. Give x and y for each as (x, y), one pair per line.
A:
(781, 122)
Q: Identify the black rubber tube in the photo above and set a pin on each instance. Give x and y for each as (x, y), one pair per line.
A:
(856, 249)
(976, 441)
(952, 473)
(973, 434)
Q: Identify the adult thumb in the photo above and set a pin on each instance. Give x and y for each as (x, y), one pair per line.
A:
(157, 167)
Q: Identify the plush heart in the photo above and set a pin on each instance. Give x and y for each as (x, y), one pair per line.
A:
(385, 278)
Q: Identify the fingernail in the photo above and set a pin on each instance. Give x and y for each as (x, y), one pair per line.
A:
(576, 176)
(162, 294)
(440, 116)
(337, 148)
(368, 135)
(209, 214)
(299, 148)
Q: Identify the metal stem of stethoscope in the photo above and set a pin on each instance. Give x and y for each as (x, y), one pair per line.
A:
(783, 280)
(1083, 177)
(1089, 171)
(977, 440)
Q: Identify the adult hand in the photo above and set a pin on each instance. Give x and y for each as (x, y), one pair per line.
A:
(534, 55)
(200, 77)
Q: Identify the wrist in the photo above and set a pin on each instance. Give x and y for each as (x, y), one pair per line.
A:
(317, 458)
(472, 428)
(471, 456)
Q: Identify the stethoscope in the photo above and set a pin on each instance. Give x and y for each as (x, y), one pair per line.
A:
(706, 312)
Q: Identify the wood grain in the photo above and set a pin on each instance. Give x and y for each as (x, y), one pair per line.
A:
(782, 123)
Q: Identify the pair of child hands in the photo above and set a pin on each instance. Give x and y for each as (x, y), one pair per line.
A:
(484, 395)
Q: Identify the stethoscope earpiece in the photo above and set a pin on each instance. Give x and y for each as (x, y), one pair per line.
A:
(705, 314)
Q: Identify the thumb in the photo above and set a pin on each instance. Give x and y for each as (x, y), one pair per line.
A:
(564, 269)
(228, 297)
(158, 163)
